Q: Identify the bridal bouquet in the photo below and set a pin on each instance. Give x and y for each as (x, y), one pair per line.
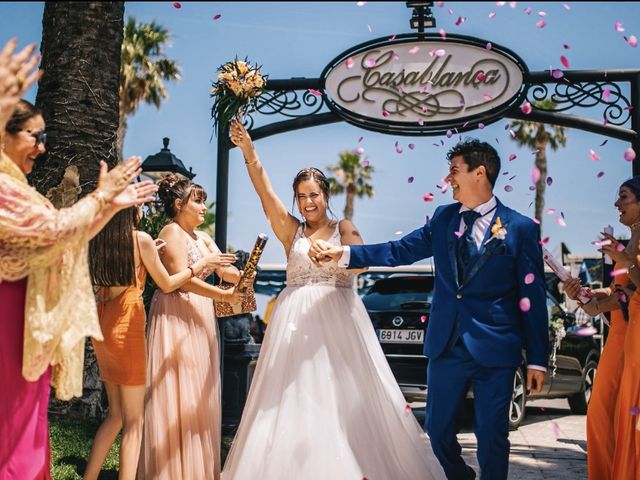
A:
(238, 87)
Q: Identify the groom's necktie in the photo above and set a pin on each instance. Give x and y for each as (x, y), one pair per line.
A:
(467, 248)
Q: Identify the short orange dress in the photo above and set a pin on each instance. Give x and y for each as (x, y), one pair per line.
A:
(122, 356)
(626, 462)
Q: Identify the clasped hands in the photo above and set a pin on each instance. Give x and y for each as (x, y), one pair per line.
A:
(321, 251)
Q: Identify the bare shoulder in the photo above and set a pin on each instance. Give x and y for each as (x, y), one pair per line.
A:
(145, 239)
(170, 231)
(348, 228)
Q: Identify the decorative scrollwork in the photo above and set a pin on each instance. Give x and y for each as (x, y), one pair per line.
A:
(289, 103)
(617, 107)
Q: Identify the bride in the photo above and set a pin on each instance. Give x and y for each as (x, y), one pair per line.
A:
(323, 403)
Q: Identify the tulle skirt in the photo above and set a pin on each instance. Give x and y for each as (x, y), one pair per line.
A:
(323, 403)
(182, 402)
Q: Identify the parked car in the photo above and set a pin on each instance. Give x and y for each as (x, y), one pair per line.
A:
(399, 308)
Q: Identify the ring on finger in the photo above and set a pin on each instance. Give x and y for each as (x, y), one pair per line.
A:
(20, 80)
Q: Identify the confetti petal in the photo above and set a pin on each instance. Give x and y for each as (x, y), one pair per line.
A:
(555, 428)
(177, 5)
(508, 188)
(411, 146)
(549, 181)
(566, 7)
(492, 15)
(398, 149)
(349, 63)
(361, 4)
(560, 221)
(619, 271)
(423, 318)
(488, 46)
(535, 175)
(557, 74)
(410, 180)
(217, 16)
(385, 113)
(629, 154)
(428, 197)
(541, 24)
(599, 174)
(618, 27)
(525, 304)
(458, 234)
(565, 46)
(542, 14)
(449, 133)
(527, 10)
(413, 50)
(593, 155)
(544, 241)
(481, 126)
(564, 61)
(360, 139)
(529, 278)
(317, 93)
(632, 40)
(407, 408)
(360, 150)
(460, 21)
(550, 211)
(512, 157)
(480, 76)
(526, 108)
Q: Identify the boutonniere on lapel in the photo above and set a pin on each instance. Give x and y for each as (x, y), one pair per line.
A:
(498, 231)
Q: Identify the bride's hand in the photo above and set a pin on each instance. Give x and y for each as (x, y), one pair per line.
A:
(240, 137)
(218, 259)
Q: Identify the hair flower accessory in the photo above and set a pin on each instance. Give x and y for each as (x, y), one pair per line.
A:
(498, 231)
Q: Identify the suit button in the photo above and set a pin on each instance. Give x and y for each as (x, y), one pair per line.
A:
(458, 296)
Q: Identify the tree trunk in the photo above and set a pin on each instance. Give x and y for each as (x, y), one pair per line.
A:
(541, 164)
(348, 206)
(79, 99)
(122, 131)
(78, 94)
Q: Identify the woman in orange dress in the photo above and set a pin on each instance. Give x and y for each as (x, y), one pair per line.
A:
(120, 260)
(608, 453)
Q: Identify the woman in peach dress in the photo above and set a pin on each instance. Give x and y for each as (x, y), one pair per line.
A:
(120, 259)
(182, 401)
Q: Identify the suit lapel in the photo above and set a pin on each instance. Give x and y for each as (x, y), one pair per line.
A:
(454, 226)
(486, 249)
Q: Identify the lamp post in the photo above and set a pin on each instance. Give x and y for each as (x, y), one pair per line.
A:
(164, 162)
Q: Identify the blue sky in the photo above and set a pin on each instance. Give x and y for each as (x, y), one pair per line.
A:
(299, 39)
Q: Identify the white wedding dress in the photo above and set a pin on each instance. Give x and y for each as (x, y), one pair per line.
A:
(324, 404)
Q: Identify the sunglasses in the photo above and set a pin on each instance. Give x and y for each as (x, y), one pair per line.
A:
(40, 137)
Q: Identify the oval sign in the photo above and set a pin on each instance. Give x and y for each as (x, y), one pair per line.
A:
(424, 85)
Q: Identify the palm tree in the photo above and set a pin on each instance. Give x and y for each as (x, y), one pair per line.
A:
(351, 175)
(535, 135)
(78, 95)
(144, 69)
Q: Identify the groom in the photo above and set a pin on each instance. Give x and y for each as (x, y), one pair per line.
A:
(489, 302)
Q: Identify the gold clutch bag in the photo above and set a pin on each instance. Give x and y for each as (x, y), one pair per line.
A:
(248, 304)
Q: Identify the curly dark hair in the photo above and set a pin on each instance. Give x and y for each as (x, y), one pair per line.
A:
(476, 153)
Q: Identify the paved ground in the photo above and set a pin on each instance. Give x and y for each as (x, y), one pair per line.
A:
(550, 444)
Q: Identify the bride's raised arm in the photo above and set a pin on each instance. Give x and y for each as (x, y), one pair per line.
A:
(284, 224)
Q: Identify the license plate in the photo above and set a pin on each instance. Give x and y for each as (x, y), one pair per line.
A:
(387, 335)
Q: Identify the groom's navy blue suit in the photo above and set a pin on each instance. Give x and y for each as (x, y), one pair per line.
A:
(476, 327)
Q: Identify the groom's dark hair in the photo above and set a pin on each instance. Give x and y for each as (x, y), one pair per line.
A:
(476, 153)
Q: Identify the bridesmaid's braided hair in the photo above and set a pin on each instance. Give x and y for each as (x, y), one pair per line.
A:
(172, 188)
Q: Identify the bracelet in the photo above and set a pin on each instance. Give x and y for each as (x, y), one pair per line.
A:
(251, 163)
(100, 198)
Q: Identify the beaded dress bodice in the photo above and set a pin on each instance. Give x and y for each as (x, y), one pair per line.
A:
(301, 271)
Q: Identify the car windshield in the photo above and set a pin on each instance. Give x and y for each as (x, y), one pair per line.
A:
(399, 293)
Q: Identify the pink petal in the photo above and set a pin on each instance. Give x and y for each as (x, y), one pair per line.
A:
(606, 93)
(532, 188)
(370, 62)
(525, 304)
(411, 146)
(565, 46)
(177, 5)
(488, 46)
(535, 220)
(556, 428)
(410, 180)
(317, 93)
(407, 408)
(413, 51)
(217, 16)
(349, 62)
(527, 10)
(370, 29)
(481, 125)
(566, 7)
(508, 188)
(480, 76)
(604, 143)
(550, 211)
(359, 150)
(420, 121)
(513, 4)
(398, 149)
(393, 37)
(423, 318)
(500, 4)
(449, 133)
(440, 52)
(487, 97)
(564, 61)
(385, 113)
(632, 40)
(450, 11)
(601, 243)
(618, 27)
(526, 108)
(593, 155)
(365, 163)
(443, 34)
(361, 4)
(549, 181)
(599, 174)
(460, 21)
(529, 278)
(427, 197)
(535, 175)
(619, 271)
(458, 234)
(629, 154)
(492, 15)
(557, 74)
(542, 14)
(544, 241)
(513, 156)
(560, 221)
(541, 24)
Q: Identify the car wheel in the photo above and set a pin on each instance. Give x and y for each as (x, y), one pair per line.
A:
(579, 402)
(518, 400)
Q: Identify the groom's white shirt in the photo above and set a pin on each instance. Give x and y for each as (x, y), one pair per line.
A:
(480, 227)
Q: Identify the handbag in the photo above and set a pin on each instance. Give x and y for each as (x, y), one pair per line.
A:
(248, 304)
